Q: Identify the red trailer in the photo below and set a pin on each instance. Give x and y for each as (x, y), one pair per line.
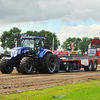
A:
(89, 62)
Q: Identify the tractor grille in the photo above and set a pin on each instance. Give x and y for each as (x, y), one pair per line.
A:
(13, 52)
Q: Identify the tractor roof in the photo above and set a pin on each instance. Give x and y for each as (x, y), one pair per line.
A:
(32, 37)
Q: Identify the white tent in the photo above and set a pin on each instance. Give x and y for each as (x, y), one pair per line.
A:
(1, 50)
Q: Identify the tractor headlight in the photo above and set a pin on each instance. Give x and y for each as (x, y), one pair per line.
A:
(15, 53)
(19, 51)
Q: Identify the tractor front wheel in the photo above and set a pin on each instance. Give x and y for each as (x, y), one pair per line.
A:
(5, 69)
(26, 65)
(18, 68)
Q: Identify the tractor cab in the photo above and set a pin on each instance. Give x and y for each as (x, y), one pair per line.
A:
(35, 45)
(29, 45)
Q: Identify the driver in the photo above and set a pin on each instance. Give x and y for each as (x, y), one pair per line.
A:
(39, 46)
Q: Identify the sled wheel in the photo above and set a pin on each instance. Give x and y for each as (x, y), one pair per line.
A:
(67, 67)
(89, 68)
(95, 65)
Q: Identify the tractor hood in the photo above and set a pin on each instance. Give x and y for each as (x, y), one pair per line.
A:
(19, 50)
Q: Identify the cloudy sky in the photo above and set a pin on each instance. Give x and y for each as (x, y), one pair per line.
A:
(66, 18)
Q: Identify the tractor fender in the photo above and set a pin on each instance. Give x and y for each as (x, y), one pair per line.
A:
(43, 52)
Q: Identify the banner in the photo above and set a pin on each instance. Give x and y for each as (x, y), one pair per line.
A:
(72, 46)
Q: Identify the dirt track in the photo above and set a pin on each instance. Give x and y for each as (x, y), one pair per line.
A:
(16, 82)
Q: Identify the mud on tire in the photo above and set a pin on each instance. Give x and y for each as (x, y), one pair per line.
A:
(6, 69)
(26, 65)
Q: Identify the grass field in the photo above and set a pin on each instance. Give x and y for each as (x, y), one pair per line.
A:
(80, 91)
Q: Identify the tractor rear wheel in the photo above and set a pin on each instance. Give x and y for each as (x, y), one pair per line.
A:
(6, 69)
(26, 65)
(48, 64)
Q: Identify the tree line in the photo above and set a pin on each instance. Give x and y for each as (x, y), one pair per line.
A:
(79, 44)
(8, 37)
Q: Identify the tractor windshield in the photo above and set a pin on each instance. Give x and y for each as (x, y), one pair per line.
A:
(28, 43)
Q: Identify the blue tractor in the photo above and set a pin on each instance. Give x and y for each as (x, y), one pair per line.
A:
(31, 56)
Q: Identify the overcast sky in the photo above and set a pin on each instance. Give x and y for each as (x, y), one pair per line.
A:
(66, 18)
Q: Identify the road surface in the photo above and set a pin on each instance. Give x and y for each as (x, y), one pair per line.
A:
(16, 82)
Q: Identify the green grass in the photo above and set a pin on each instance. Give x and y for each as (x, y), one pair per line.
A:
(80, 91)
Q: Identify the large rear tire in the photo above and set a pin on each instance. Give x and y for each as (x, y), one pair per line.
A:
(26, 65)
(48, 64)
(89, 68)
(5, 69)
